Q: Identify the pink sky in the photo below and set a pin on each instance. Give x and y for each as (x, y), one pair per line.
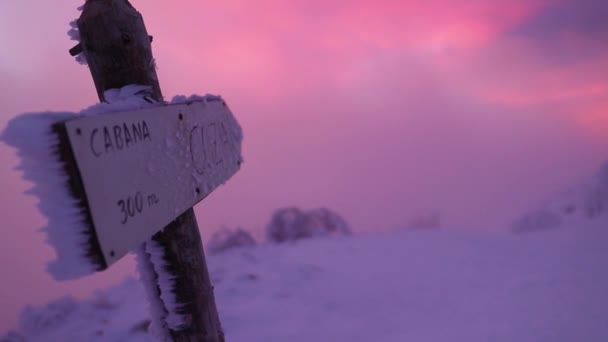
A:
(377, 109)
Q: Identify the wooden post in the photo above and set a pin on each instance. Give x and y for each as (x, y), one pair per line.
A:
(118, 51)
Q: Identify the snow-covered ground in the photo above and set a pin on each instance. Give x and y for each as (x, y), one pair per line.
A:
(577, 204)
(399, 286)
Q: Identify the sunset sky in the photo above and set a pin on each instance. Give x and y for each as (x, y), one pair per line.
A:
(380, 110)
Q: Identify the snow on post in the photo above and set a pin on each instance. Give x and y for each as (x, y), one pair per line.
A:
(32, 135)
(36, 143)
(112, 30)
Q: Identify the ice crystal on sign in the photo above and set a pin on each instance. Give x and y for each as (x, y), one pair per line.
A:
(74, 35)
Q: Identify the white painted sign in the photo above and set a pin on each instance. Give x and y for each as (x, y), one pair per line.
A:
(142, 169)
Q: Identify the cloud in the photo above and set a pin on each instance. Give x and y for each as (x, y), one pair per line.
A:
(409, 90)
(583, 17)
(528, 56)
(567, 31)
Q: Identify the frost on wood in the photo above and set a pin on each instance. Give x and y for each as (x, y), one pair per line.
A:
(290, 224)
(129, 97)
(157, 309)
(166, 284)
(31, 134)
(226, 239)
(74, 35)
(182, 99)
(159, 284)
(36, 144)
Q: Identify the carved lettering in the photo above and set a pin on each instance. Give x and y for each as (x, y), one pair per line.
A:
(132, 206)
(145, 130)
(95, 152)
(108, 140)
(137, 136)
(128, 140)
(118, 137)
(206, 143)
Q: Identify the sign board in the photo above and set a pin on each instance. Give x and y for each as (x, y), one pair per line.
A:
(142, 169)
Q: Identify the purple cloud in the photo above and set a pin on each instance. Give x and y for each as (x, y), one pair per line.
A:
(567, 31)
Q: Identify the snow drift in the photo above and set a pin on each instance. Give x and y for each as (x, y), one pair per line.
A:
(587, 201)
(423, 286)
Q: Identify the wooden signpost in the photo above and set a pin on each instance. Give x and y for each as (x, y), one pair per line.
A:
(140, 172)
(142, 169)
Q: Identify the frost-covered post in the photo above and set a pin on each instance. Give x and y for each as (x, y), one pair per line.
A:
(118, 52)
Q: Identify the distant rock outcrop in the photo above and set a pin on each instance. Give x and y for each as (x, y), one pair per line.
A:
(596, 201)
(226, 239)
(425, 221)
(587, 201)
(291, 224)
(537, 220)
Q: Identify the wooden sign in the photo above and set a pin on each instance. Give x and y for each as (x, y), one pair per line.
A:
(142, 169)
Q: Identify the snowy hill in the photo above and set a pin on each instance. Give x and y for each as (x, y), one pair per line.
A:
(400, 286)
(587, 201)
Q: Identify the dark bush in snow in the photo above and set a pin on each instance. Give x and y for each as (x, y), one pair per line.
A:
(323, 221)
(12, 336)
(426, 221)
(596, 202)
(290, 224)
(587, 201)
(225, 239)
(41, 318)
(539, 220)
(286, 224)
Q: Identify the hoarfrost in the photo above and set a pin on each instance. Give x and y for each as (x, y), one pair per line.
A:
(31, 134)
(74, 35)
(156, 307)
(130, 97)
(166, 285)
